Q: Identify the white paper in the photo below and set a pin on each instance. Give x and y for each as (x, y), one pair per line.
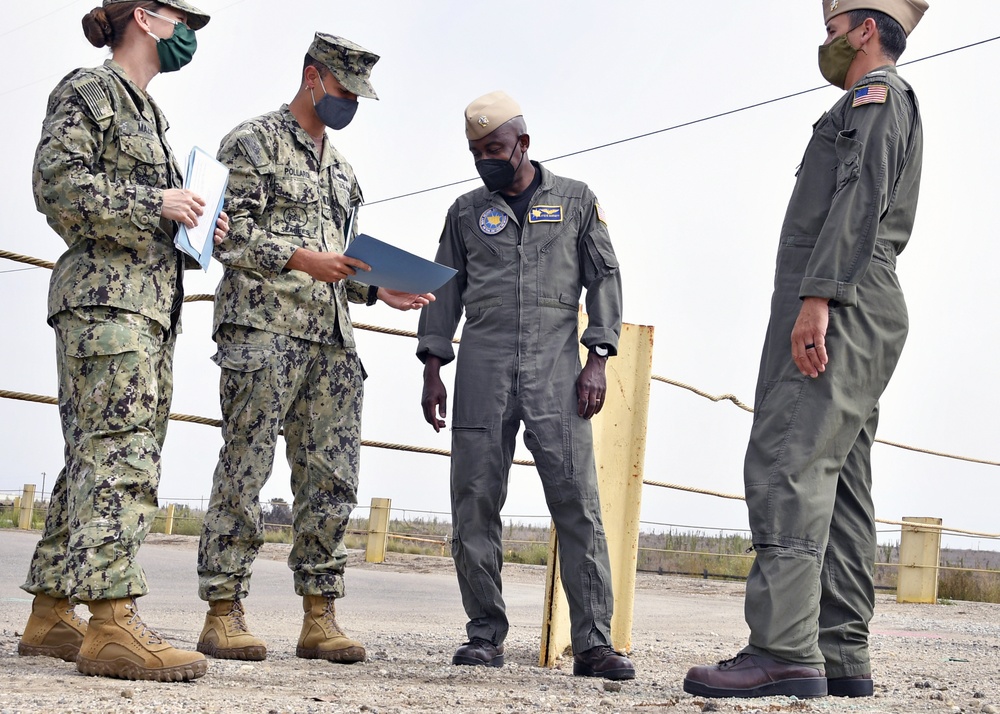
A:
(208, 179)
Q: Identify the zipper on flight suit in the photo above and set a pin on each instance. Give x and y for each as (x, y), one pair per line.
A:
(515, 378)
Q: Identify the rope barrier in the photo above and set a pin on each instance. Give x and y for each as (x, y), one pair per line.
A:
(193, 419)
(204, 297)
(908, 524)
(18, 258)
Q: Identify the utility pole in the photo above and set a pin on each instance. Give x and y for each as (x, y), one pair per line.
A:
(43, 485)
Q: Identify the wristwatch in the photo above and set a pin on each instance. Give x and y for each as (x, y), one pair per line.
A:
(600, 350)
(372, 295)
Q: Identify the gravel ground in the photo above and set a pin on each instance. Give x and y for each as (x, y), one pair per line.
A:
(927, 658)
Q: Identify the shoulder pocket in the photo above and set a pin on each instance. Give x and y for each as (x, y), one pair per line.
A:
(848, 158)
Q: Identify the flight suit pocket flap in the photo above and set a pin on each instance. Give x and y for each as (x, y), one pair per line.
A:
(101, 339)
(478, 305)
(564, 302)
(240, 358)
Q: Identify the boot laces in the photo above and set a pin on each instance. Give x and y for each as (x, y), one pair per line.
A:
(71, 611)
(144, 630)
(237, 615)
(330, 616)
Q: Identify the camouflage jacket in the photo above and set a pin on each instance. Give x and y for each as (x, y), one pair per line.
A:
(283, 195)
(100, 170)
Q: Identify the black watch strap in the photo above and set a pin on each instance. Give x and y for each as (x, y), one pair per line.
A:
(372, 295)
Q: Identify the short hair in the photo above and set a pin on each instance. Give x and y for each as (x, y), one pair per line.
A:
(890, 32)
(311, 61)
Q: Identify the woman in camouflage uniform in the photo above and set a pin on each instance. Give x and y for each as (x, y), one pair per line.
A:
(109, 185)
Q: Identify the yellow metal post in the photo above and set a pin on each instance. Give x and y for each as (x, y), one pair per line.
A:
(168, 527)
(620, 452)
(919, 558)
(27, 507)
(378, 530)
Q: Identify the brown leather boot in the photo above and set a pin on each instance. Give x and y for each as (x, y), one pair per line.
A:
(226, 635)
(119, 644)
(53, 630)
(321, 636)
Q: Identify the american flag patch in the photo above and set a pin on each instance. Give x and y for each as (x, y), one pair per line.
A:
(872, 94)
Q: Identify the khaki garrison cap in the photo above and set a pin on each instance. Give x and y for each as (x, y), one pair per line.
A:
(196, 19)
(906, 12)
(351, 64)
(486, 114)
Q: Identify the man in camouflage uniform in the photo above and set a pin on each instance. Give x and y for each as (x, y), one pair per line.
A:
(109, 185)
(287, 352)
(525, 246)
(837, 328)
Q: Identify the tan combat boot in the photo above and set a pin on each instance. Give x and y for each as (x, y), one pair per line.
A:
(119, 644)
(226, 635)
(321, 636)
(53, 630)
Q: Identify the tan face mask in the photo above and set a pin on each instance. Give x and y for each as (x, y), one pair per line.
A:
(835, 59)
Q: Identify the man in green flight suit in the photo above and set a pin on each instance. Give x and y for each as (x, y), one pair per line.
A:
(288, 356)
(837, 328)
(525, 247)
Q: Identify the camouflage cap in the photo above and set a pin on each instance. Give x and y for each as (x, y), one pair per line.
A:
(349, 63)
(196, 19)
(486, 114)
(906, 12)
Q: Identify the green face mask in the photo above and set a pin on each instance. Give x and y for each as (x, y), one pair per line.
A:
(835, 59)
(178, 49)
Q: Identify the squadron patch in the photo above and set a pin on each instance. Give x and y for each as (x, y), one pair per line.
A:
(601, 215)
(871, 94)
(492, 221)
(545, 214)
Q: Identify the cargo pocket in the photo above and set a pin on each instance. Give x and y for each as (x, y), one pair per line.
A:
(241, 366)
(114, 387)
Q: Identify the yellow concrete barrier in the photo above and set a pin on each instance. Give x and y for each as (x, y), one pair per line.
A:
(919, 557)
(620, 452)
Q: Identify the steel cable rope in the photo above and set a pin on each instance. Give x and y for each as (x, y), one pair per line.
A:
(681, 125)
(204, 297)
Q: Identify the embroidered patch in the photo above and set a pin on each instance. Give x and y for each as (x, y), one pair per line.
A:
(492, 221)
(545, 214)
(601, 215)
(872, 94)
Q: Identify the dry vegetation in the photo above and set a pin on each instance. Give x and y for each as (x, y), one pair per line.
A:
(966, 575)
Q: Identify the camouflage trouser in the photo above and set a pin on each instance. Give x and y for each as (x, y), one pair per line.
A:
(115, 385)
(314, 392)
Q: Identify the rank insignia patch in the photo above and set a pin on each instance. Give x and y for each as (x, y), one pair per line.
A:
(601, 215)
(545, 214)
(492, 221)
(872, 94)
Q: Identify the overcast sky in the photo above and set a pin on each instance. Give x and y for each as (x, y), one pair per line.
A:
(694, 215)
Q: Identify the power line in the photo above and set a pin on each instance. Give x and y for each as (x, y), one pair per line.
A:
(679, 126)
(31, 22)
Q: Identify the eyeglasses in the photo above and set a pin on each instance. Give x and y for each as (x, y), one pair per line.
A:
(171, 20)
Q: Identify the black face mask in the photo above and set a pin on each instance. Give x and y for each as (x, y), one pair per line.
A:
(498, 174)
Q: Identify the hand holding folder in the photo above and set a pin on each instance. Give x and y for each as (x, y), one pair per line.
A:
(207, 178)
